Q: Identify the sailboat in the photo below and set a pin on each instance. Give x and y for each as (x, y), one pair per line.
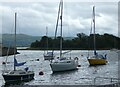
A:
(48, 55)
(12, 76)
(96, 59)
(62, 63)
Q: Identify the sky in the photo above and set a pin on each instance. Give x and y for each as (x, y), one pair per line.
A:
(34, 17)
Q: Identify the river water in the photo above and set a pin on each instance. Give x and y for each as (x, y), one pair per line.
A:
(85, 75)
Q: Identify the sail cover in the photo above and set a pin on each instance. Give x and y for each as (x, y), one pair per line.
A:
(18, 64)
(50, 53)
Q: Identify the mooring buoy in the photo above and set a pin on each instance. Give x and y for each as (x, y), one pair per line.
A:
(41, 73)
(3, 62)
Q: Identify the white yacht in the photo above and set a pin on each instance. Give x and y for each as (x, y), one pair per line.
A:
(62, 63)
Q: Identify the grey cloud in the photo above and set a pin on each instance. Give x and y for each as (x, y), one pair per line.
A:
(34, 17)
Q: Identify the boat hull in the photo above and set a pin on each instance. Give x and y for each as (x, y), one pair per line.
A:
(97, 61)
(60, 67)
(48, 57)
(17, 78)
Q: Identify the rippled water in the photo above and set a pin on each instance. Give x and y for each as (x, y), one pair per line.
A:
(83, 76)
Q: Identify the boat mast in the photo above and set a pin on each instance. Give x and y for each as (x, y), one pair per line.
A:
(94, 30)
(59, 15)
(56, 26)
(15, 42)
(47, 38)
(61, 29)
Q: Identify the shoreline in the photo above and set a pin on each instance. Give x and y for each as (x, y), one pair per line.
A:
(5, 51)
(64, 49)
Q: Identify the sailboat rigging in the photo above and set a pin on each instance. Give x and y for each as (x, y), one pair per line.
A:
(16, 75)
(97, 59)
(62, 63)
(48, 55)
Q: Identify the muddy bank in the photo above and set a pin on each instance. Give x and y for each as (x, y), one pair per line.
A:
(4, 51)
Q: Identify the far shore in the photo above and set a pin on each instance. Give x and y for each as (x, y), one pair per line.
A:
(27, 48)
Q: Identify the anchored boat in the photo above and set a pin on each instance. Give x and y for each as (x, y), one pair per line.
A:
(96, 59)
(62, 63)
(12, 76)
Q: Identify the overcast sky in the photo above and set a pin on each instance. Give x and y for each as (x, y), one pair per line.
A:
(33, 17)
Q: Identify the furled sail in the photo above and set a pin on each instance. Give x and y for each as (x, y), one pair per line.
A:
(18, 64)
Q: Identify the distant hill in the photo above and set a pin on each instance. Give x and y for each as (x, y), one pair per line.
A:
(23, 40)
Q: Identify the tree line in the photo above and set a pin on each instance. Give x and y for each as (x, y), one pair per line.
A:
(82, 41)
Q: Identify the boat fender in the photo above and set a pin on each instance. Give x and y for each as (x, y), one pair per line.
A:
(76, 58)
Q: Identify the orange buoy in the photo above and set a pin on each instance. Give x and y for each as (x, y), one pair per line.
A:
(79, 65)
(41, 73)
(3, 62)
